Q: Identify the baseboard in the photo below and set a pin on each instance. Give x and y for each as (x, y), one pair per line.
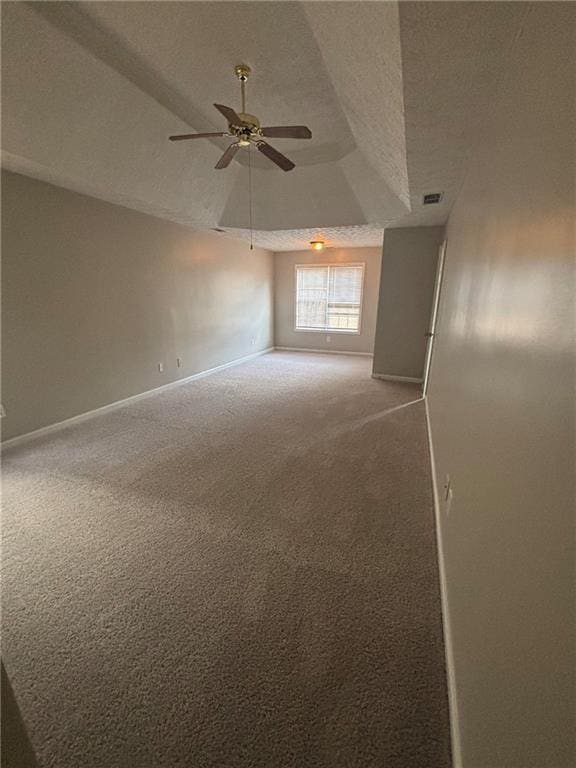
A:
(448, 645)
(323, 351)
(43, 431)
(389, 377)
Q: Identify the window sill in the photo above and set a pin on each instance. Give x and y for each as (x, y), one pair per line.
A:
(327, 331)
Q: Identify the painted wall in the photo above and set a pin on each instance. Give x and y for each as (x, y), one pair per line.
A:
(409, 260)
(501, 404)
(94, 296)
(284, 292)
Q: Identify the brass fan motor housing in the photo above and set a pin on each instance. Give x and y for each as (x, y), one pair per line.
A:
(250, 128)
(250, 120)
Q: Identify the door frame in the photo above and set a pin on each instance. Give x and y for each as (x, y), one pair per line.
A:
(431, 333)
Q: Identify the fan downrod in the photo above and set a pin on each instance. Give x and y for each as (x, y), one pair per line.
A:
(250, 124)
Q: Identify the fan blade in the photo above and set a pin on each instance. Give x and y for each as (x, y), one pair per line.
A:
(229, 114)
(186, 136)
(275, 156)
(287, 132)
(226, 158)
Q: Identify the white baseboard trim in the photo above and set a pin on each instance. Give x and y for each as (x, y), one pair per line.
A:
(448, 646)
(389, 377)
(323, 351)
(29, 436)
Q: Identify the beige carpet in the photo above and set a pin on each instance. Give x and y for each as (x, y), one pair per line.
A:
(238, 573)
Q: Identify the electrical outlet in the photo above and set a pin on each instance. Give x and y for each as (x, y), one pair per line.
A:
(328, 339)
(161, 367)
(253, 342)
(447, 487)
(179, 362)
(2, 411)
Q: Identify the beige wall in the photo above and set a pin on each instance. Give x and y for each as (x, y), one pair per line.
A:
(94, 296)
(409, 261)
(501, 403)
(284, 286)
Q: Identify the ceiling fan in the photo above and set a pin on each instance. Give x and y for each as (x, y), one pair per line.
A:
(247, 130)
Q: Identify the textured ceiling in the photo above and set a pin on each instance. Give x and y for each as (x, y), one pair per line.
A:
(299, 239)
(393, 95)
(453, 54)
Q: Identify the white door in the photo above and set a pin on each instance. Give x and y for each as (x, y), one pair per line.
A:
(430, 335)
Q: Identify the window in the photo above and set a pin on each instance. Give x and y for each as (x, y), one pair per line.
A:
(329, 297)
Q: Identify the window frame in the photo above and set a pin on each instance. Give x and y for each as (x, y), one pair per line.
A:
(329, 331)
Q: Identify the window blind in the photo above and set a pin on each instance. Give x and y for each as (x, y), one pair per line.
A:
(329, 297)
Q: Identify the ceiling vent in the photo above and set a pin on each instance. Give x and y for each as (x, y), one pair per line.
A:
(432, 199)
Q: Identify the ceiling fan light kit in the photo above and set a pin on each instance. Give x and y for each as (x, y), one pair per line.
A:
(248, 131)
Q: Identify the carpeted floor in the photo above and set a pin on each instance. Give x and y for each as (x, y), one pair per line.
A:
(238, 573)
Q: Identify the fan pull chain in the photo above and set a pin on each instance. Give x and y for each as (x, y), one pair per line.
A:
(250, 195)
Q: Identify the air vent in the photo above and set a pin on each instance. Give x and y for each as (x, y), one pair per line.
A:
(432, 199)
(217, 229)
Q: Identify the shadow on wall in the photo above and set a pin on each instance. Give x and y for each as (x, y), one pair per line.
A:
(17, 751)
